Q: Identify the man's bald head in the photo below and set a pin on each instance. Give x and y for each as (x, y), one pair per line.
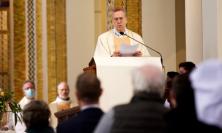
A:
(63, 90)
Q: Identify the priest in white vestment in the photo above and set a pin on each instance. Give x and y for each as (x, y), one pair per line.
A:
(29, 95)
(62, 102)
(108, 44)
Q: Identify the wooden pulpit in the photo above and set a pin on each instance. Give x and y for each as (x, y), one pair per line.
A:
(91, 67)
(66, 114)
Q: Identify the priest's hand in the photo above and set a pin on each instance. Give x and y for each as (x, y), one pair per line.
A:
(137, 53)
(116, 54)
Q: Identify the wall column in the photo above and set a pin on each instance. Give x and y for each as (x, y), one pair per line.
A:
(212, 28)
(193, 24)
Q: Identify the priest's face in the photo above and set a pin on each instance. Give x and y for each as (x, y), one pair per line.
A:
(119, 21)
(63, 90)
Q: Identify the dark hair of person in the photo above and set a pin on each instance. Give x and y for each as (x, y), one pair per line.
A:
(36, 114)
(168, 83)
(170, 76)
(188, 66)
(184, 94)
(88, 87)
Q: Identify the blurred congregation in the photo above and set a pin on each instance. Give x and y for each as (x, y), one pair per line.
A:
(184, 101)
(60, 61)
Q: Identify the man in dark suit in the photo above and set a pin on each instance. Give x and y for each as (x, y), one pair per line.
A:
(88, 91)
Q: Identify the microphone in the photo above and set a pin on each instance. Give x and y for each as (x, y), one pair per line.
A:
(161, 58)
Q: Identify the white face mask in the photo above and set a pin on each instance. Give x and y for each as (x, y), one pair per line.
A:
(30, 93)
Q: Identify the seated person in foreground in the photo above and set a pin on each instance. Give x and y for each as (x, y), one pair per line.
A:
(109, 43)
(168, 88)
(182, 118)
(206, 81)
(29, 95)
(88, 91)
(62, 102)
(36, 117)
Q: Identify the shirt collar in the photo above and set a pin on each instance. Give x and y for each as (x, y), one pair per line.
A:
(117, 33)
(89, 106)
(60, 100)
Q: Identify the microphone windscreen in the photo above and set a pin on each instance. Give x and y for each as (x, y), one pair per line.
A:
(121, 33)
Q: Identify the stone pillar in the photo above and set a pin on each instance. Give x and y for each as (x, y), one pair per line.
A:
(193, 24)
(212, 28)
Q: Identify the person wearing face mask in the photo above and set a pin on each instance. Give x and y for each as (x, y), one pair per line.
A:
(29, 95)
(62, 102)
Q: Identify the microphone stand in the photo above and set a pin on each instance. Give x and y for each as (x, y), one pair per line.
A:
(161, 58)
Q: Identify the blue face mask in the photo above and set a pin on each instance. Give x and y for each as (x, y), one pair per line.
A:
(30, 93)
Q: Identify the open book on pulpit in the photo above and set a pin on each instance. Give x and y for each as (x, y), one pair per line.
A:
(115, 76)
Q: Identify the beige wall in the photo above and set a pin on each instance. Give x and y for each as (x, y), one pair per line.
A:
(193, 24)
(220, 29)
(158, 28)
(80, 37)
(212, 44)
(203, 29)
